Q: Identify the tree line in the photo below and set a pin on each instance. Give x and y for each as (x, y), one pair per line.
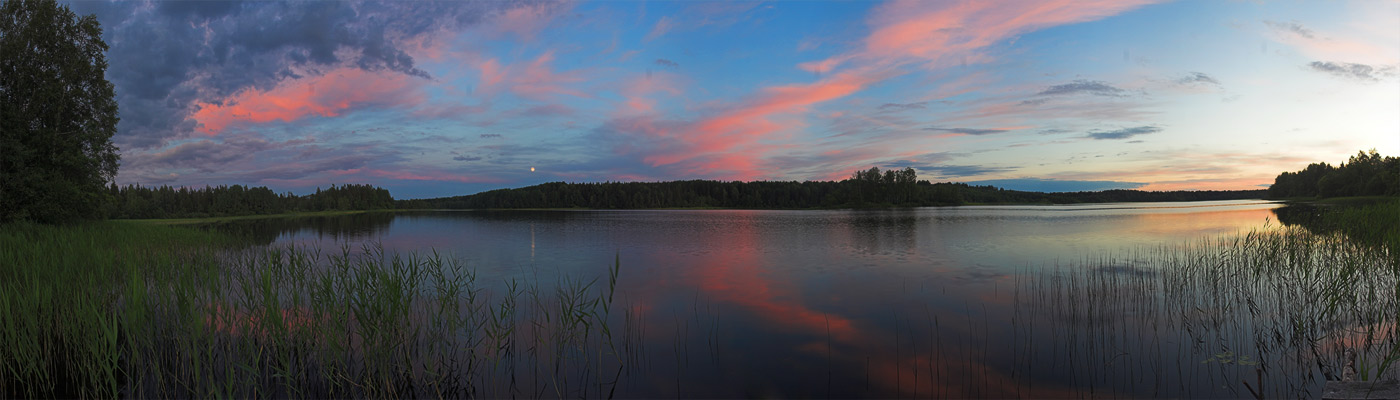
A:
(865, 189)
(1364, 174)
(136, 202)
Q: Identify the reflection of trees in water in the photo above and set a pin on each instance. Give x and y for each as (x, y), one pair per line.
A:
(880, 231)
(1306, 215)
(506, 215)
(264, 231)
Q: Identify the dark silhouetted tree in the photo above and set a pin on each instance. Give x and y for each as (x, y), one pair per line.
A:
(57, 114)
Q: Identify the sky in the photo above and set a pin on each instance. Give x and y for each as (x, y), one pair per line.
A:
(432, 99)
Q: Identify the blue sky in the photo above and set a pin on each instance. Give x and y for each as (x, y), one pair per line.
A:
(435, 99)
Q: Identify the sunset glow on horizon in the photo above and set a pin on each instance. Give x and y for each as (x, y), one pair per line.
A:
(432, 99)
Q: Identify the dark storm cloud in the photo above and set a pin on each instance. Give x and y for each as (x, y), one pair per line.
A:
(1123, 133)
(967, 131)
(166, 56)
(1291, 26)
(199, 9)
(1353, 71)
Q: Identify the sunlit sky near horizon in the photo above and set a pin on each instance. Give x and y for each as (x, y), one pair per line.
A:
(448, 98)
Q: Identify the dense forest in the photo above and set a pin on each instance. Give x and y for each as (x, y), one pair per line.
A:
(869, 188)
(1365, 174)
(221, 201)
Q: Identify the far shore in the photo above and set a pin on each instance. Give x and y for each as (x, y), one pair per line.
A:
(1358, 200)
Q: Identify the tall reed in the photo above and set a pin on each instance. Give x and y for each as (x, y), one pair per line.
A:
(1271, 313)
(126, 310)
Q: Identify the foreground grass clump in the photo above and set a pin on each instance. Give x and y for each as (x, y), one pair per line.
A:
(1268, 314)
(62, 293)
(129, 310)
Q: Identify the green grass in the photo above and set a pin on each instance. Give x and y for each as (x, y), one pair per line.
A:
(126, 309)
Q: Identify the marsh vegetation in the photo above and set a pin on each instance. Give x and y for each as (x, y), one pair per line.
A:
(126, 310)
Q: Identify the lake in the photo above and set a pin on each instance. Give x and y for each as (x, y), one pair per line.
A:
(972, 301)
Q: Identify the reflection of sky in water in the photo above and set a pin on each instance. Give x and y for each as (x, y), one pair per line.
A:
(765, 300)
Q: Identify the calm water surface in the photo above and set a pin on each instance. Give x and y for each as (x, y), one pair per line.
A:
(839, 303)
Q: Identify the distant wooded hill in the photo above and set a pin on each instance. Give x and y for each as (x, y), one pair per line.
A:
(220, 201)
(866, 189)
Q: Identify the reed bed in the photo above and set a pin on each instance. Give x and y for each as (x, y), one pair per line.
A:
(1268, 314)
(125, 310)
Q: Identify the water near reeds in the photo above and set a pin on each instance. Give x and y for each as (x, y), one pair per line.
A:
(1206, 299)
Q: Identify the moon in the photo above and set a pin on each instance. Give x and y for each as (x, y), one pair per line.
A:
(532, 169)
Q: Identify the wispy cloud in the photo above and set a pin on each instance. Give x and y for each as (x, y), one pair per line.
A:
(662, 62)
(967, 131)
(1097, 88)
(535, 80)
(727, 142)
(1123, 133)
(663, 25)
(1360, 72)
(1292, 27)
(945, 34)
(962, 171)
(893, 107)
(1197, 78)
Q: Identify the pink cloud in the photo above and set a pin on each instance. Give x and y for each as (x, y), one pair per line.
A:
(535, 80)
(663, 25)
(948, 33)
(526, 21)
(728, 140)
(736, 142)
(638, 90)
(1333, 46)
(491, 73)
(326, 95)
